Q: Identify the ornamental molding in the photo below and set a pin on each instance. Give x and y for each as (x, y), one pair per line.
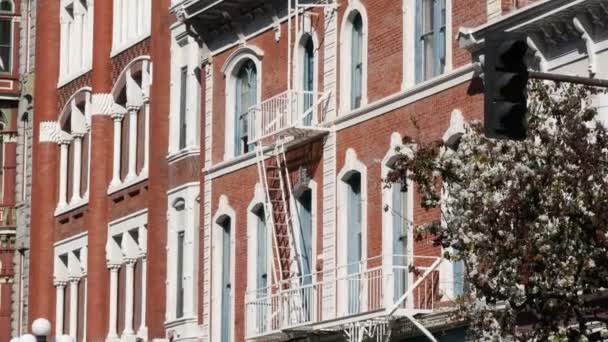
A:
(49, 132)
(103, 104)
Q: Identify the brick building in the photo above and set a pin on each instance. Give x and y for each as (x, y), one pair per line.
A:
(10, 13)
(212, 170)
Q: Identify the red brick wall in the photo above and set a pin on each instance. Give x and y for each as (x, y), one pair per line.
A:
(184, 171)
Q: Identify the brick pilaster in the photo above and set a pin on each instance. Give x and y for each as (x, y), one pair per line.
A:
(101, 156)
(159, 131)
(44, 180)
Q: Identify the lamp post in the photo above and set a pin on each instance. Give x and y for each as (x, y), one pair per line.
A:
(41, 328)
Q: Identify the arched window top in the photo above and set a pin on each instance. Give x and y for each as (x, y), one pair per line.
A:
(7, 6)
(76, 114)
(353, 46)
(240, 56)
(132, 87)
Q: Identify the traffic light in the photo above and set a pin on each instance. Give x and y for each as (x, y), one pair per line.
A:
(505, 79)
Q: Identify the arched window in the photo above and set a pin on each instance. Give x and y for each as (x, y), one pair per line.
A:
(308, 79)
(225, 226)
(430, 38)
(245, 97)
(304, 207)
(6, 44)
(131, 114)
(354, 248)
(6, 6)
(179, 205)
(262, 252)
(74, 148)
(353, 55)
(356, 90)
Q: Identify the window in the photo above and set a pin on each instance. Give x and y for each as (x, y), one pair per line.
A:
(246, 96)
(354, 245)
(226, 280)
(182, 106)
(304, 207)
(185, 93)
(6, 44)
(74, 151)
(430, 38)
(179, 311)
(70, 280)
(401, 226)
(262, 253)
(6, 6)
(356, 62)
(76, 38)
(131, 119)
(308, 80)
(131, 23)
(353, 57)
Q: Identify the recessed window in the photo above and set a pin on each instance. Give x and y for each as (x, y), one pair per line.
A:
(6, 6)
(308, 80)
(131, 23)
(226, 279)
(430, 38)
(356, 91)
(245, 97)
(179, 310)
(6, 44)
(76, 38)
(354, 250)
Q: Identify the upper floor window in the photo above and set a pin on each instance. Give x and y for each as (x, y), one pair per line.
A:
(185, 93)
(6, 44)
(131, 124)
(7, 6)
(430, 38)
(74, 143)
(76, 38)
(245, 97)
(353, 67)
(131, 23)
(308, 79)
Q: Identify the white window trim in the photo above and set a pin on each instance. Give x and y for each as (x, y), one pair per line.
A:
(139, 97)
(252, 236)
(130, 249)
(307, 30)
(387, 217)
(76, 270)
(351, 164)
(187, 325)
(354, 6)
(67, 53)
(409, 44)
(184, 53)
(230, 68)
(224, 209)
(117, 46)
(72, 202)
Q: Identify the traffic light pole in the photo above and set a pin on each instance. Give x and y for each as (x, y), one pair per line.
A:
(569, 79)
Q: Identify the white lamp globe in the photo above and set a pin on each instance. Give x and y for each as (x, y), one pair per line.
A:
(15, 339)
(41, 327)
(28, 338)
(65, 338)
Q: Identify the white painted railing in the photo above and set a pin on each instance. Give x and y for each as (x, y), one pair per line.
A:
(289, 109)
(374, 285)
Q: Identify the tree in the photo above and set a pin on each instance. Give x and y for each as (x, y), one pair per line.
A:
(529, 219)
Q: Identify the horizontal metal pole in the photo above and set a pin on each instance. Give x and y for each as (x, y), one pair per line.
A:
(569, 79)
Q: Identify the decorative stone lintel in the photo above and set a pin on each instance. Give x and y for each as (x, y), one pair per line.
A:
(49, 132)
(103, 104)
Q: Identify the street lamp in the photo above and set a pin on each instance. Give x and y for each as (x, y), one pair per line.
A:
(41, 327)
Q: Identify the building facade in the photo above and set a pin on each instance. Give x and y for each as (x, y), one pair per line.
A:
(10, 88)
(213, 170)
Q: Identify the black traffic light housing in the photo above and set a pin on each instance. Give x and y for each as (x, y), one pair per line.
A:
(506, 79)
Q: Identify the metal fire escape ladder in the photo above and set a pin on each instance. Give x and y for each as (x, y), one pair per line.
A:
(274, 177)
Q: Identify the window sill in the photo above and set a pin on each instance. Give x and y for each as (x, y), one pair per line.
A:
(114, 188)
(72, 206)
(184, 327)
(124, 46)
(69, 78)
(183, 153)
